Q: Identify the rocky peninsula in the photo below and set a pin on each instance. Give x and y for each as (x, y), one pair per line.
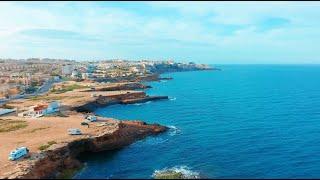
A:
(62, 156)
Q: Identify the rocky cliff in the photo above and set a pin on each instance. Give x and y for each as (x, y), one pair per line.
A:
(62, 156)
(123, 86)
(129, 98)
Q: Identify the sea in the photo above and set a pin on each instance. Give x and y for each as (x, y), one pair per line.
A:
(245, 121)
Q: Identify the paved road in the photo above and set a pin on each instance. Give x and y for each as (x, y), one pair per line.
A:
(45, 87)
(42, 90)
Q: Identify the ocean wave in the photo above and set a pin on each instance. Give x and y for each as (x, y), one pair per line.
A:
(172, 99)
(173, 130)
(139, 104)
(177, 172)
(152, 141)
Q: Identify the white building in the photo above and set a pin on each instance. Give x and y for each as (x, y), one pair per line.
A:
(67, 69)
(75, 74)
(40, 110)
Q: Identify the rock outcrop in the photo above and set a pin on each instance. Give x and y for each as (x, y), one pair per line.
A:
(152, 77)
(123, 86)
(129, 98)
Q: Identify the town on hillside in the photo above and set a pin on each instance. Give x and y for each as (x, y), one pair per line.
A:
(34, 76)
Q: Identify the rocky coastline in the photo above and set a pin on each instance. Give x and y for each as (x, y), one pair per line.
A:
(60, 157)
(128, 98)
(117, 134)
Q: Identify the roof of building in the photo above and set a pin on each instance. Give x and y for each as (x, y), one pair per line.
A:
(6, 111)
(40, 107)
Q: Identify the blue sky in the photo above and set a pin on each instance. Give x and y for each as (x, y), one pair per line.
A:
(204, 32)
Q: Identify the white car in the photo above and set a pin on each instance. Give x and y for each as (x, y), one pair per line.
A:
(74, 131)
(92, 118)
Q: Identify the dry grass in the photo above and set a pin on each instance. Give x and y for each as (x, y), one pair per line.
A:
(68, 88)
(47, 98)
(37, 129)
(11, 125)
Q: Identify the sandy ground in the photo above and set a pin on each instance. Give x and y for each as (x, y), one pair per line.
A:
(40, 131)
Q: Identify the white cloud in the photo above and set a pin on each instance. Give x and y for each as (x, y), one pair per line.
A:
(168, 29)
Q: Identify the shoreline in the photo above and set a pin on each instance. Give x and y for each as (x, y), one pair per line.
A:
(106, 134)
(101, 139)
(63, 156)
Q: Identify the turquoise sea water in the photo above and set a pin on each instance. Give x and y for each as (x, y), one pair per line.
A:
(246, 121)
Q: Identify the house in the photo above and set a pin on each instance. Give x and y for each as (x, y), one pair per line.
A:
(42, 109)
(67, 69)
(53, 107)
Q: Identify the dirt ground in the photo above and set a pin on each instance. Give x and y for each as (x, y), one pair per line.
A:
(40, 131)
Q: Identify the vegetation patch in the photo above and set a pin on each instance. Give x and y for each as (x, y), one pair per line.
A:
(11, 125)
(67, 88)
(37, 129)
(48, 98)
(46, 146)
(176, 173)
(56, 114)
(169, 175)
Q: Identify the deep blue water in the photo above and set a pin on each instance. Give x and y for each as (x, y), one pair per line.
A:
(246, 121)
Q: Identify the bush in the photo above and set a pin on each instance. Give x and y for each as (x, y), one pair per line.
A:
(46, 146)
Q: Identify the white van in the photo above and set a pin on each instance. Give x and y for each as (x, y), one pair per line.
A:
(18, 153)
(74, 131)
(92, 118)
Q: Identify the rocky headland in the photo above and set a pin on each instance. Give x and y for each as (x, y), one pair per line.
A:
(62, 156)
(106, 134)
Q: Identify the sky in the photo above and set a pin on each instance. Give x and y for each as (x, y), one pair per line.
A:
(202, 32)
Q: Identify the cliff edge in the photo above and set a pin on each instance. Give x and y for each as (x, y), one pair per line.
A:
(59, 157)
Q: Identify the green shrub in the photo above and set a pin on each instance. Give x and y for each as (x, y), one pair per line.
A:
(46, 146)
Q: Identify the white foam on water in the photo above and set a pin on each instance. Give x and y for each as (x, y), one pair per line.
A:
(153, 141)
(173, 130)
(172, 99)
(184, 170)
(139, 104)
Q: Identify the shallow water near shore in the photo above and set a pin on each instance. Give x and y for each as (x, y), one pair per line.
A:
(246, 121)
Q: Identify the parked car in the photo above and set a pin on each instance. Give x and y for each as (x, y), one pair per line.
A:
(74, 131)
(18, 153)
(91, 118)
